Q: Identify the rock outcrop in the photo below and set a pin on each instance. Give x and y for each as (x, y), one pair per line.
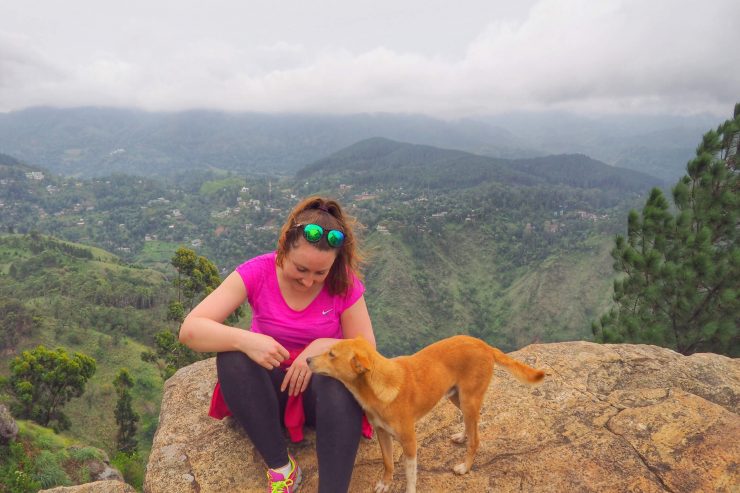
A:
(607, 418)
(110, 486)
(8, 426)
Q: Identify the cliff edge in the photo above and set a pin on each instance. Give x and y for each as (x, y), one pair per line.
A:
(607, 418)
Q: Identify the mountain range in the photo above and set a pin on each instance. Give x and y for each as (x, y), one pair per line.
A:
(92, 141)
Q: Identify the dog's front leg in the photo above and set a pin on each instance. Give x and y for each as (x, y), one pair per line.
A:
(386, 450)
(408, 443)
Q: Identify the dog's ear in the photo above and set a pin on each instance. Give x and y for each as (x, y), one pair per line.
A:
(360, 363)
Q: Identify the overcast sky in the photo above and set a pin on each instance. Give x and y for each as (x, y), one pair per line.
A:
(441, 58)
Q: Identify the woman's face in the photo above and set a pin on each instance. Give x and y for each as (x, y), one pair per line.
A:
(305, 265)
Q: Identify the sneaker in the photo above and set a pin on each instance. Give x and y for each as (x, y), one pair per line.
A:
(277, 483)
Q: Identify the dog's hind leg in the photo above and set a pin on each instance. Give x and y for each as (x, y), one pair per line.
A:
(386, 450)
(454, 397)
(471, 400)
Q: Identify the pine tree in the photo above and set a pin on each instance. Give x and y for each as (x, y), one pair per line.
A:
(680, 274)
(126, 417)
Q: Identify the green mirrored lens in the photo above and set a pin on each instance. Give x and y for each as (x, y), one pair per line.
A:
(313, 232)
(335, 238)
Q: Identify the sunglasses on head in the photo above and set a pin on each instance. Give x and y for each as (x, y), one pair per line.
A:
(313, 234)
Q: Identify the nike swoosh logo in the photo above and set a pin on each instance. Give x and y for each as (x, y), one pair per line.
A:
(324, 312)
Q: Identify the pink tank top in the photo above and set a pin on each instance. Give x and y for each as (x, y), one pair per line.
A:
(272, 316)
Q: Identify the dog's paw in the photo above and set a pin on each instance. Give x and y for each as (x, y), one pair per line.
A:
(459, 437)
(381, 487)
(460, 468)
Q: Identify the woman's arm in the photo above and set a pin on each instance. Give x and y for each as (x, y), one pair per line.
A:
(203, 329)
(356, 322)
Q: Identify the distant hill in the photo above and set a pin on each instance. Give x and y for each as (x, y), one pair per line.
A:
(11, 166)
(659, 145)
(6, 160)
(581, 171)
(383, 161)
(102, 141)
(85, 299)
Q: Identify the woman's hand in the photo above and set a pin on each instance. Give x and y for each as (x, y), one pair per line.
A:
(298, 375)
(265, 351)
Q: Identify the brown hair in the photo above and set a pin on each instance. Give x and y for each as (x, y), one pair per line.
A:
(328, 214)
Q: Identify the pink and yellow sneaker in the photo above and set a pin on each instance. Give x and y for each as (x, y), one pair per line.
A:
(277, 483)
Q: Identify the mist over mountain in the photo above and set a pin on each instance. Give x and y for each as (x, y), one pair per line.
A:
(659, 145)
(100, 141)
(90, 141)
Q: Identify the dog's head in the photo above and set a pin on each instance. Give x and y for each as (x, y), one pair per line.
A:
(345, 360)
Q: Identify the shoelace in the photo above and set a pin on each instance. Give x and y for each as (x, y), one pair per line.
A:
(281, 486)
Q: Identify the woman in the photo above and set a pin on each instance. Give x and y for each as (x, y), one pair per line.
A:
(304, 297)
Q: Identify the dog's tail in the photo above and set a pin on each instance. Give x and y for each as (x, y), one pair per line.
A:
(522, 372)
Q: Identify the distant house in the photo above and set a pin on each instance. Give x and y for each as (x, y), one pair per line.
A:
(551, 227)
(586, 215)
(35, 175)
(159, 200)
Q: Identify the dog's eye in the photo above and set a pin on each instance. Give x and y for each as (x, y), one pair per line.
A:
(331, 354)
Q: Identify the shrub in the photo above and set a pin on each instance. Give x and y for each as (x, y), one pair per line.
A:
(49, 471)
(132, 467)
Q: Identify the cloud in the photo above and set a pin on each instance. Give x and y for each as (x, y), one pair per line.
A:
(20, 64)
(609, 56)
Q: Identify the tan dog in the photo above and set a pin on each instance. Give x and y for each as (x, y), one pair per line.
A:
(395, 393)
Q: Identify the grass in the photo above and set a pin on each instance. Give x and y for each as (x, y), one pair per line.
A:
(157, 253)
(41, 459)
(216, 186)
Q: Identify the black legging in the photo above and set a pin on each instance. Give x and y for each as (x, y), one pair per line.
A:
(254, 398)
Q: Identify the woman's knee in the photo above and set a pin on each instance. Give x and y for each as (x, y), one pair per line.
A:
(335, 396)
(234, 364)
